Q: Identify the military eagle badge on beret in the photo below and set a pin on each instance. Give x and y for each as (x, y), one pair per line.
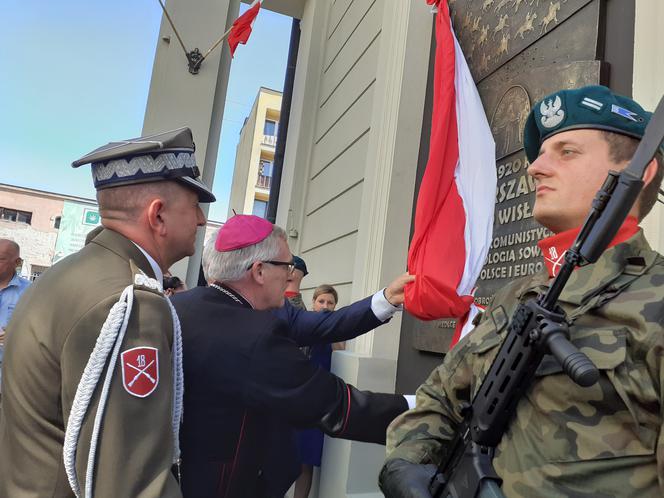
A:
(552, 112)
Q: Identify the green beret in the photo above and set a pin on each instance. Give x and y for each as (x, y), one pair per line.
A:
(591, 107)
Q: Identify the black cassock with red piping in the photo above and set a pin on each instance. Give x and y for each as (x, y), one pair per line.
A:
(248, 385)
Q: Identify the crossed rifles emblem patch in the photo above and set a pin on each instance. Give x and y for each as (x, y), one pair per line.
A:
(140, 370)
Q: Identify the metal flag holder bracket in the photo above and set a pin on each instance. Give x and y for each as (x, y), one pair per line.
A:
(194, 57)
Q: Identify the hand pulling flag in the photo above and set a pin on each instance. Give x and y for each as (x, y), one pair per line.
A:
(241, 28)
(455, 204)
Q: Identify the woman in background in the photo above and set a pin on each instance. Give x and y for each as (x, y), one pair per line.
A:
(310, 441)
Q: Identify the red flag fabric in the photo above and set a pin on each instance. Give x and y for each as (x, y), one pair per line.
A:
(241, 28)
(555, 246)
(454, 212)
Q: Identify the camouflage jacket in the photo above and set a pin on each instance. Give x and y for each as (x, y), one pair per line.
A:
(601, 441)
(297, 301)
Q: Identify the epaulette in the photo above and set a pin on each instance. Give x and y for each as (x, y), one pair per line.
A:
(143, 282)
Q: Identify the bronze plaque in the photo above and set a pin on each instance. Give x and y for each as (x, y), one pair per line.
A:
(510, 81)
(491, 32)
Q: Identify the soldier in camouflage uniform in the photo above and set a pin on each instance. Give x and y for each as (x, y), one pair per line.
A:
(293, 294)
(565, 440)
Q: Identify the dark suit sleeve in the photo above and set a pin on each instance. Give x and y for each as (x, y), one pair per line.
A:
(283, 381)
(308, 327)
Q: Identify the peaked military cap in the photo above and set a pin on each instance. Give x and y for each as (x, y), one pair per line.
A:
(164, 156)
(591, 107)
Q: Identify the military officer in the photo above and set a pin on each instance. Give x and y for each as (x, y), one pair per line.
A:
(91, 370)
(565, 440)
(248, 383)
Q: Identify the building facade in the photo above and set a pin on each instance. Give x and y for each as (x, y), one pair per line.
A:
(254, 159)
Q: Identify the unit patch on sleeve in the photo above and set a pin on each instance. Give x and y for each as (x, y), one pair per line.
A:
(140, 370)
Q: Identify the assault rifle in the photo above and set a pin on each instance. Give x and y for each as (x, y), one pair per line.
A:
(539, 326)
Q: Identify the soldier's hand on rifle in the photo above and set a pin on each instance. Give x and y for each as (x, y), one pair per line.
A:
(394, 292)
(402, 479)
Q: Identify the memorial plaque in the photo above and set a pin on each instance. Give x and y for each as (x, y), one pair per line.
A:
(491, 32)
(511, 78)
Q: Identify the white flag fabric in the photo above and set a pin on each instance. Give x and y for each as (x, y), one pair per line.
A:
(455, 206)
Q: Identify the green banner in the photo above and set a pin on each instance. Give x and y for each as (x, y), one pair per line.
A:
(76, 222)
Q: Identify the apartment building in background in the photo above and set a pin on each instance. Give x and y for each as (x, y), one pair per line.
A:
(47, 226)
(254, 160)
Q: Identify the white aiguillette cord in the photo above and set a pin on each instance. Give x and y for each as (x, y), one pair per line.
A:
(111, 337)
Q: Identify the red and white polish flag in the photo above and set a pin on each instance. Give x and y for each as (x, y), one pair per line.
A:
(455, 205)
(242, 26)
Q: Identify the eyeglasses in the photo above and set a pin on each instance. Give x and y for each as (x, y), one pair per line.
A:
(289, 264)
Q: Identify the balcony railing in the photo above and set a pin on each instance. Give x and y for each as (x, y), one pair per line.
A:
(264, 182)
(270, 140)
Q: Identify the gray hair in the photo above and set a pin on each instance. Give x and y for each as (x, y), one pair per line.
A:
(232, 265)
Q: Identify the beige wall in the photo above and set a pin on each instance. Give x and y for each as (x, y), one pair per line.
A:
(252, 147)
(210, 228)
(241, 168)
(648, 86)
(354, 89)
(348, 181)
(331, 201)
(37, 240)
(44, 208)
(178, 98)
(37, 246)
(291, 8)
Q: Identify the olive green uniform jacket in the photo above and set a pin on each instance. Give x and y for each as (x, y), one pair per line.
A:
(565, 440)
(49, 341)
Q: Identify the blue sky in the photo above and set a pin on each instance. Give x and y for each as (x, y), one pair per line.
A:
(76, 75)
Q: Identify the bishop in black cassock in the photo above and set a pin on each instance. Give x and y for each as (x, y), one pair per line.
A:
(247, 384)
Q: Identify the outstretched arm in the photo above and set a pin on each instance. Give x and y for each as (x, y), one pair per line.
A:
(307, 327)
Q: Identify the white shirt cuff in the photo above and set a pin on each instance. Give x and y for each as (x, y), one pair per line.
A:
(410, 399)
(381, 307)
